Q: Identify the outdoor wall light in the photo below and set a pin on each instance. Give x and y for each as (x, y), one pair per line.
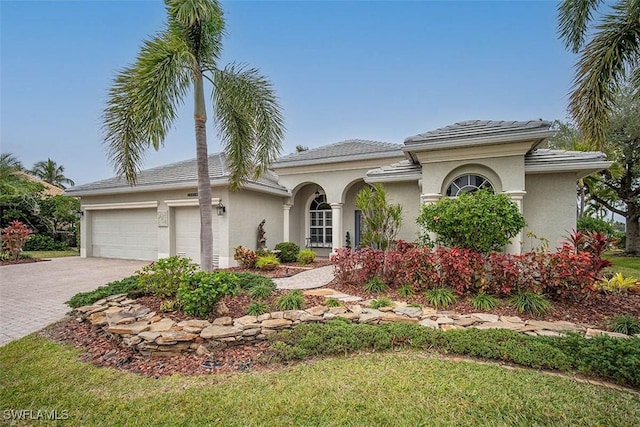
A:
(79, 214)
(221, 208)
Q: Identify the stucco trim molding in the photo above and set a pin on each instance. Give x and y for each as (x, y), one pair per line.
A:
(189, 202)
(112, 206)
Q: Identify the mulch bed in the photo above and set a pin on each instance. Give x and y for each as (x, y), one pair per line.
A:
(103, 350)
(22, 261)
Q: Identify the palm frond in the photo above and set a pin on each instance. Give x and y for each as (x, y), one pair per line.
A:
(201, 25)
(602, 69)
(249, 121)
(574, 17)
(143, 103)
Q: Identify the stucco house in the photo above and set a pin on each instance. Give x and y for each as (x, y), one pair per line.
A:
(308, 197)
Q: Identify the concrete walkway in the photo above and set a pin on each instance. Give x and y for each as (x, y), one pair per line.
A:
(310, 279)
(33, 295)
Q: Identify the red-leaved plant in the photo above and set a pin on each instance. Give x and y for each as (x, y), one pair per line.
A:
(14, 236)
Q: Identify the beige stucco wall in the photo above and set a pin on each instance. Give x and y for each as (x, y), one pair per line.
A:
(408, 195)
(549, 208)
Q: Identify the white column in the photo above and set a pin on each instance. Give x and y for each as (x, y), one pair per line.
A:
(286, 208)
(429, 199)
(336, 226)
(85, 234)
(515, 246)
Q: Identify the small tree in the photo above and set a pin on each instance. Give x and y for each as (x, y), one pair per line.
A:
(480, 221)
(14, 236)
(381, 221)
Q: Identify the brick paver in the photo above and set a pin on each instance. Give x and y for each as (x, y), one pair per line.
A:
(310, 279)
(33, 295)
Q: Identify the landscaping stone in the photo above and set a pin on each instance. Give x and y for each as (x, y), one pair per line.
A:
(429, 323)
(149, 336)
(449, 327)
(465, 321)
(276, 323)
(293, 315)
(392, 317)
(162, 326)
(131, 329)
(444, 321)
(500, 325)
(318, 310)
(349, 316)
(591, 332)
(218, 331)
(306, 317)
(415, 312)
(485, 317)
(370, 317)
(511, 319)
(223, 321)
(558, 326)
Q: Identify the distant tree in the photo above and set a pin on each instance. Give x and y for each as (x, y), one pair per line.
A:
(609, 58)
(13, 181)
(49, 171)
(173, 64)
(301, 148)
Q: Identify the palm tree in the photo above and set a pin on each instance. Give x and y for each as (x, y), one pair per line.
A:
(609, 59)
(13, 180)
(144, 97)
(49, 171)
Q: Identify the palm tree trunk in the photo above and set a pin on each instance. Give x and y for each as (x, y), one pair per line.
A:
(204, 183)
(633, 230)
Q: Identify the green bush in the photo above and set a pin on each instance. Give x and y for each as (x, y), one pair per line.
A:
(531, 303)
(405, 291)
(250, 280)
(590, 224)
(441, 297)
(163, 277)
(288, 251)
(293, 300)
(262, 291)
(199, 292)
(128, 285)
(603, 356)
(306, 256)
(256, 308)
(484, 302)
(480, 221)
(375, 285)
(42, 242)
(267, 262)
(381, 302)
(625, 324)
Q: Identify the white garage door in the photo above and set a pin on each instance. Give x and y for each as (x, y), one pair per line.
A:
(187, 237)
(125, 233)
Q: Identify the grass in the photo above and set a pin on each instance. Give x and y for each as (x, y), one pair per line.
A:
(628, 266)
(402, 388)
(52, 254)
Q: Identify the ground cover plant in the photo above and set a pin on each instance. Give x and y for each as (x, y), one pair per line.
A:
(330, 393)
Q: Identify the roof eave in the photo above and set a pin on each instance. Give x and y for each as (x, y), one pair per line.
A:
(582, 169)
(538, 136)
(339, 159)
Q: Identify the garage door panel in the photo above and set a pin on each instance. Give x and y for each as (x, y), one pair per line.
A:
(127, 233)
(187, 233)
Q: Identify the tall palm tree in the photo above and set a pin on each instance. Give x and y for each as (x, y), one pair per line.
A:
(49, 171)
(175, 62)
(608, 59)
(13, 180)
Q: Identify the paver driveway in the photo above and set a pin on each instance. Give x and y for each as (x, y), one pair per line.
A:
(33, 295)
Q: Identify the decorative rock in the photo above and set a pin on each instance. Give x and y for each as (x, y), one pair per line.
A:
(392, 317)
(465, 321)
(125, 321)
(132, 341)
(329, 316)
(90, 308)
(165, 341)
(293, 314)
(409, 311)
(98, 318)
(306, 317)
(351, 299)
(500, 325)
(449, 327)
(429, 323)
(277, 315)
(356, 308)
(223, 321)
(127, 302)
(337, 310)
(428, 312)
(216, 332)
(202, 350)
(162, 326)
(250, 332)
(276, 323)
(149, 336)
(444, 321)
(318, 310)
(194, 323)
(263, 317)
(511, 319)
(117, 297)
(485, 317)
(386, 309)
(178, 336)
(595, 332)
(132, 329)
(349, 316)
(370, 317)
(554, 326)
(546, 333)
(245, 320)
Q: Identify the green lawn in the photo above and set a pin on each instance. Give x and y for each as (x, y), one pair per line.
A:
(628, 266)
(52, 254)
(402, 388)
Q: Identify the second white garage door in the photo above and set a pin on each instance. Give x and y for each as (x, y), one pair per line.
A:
(125, 233)
(187, 234)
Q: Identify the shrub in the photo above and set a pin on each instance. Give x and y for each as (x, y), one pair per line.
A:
(249, 280)
(458, 221)
(288, 251)
(441, 297)
(306, 256)
(419, 267)
(246, 257)
(199, 292)
(375, 285)
(169, 305)
(484, 302)
(531, 303)
(625, 324)
(617, 284)
(590, 224)
(128, 286)
(14, 236)
(256, 308)
(332, 302)
(462, 269)
(381, 302)
(163, 277)
(345, 264)
(293, 300)
(267, 262)
(262, 290)
(405, 291)
(42, 242)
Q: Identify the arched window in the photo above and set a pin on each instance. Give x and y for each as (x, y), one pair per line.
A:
(320, 223)
(468, 184)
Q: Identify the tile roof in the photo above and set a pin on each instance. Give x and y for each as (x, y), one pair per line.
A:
(174, 174)
(543, 157)
(352, 149)
(472, 129)
(404, 170)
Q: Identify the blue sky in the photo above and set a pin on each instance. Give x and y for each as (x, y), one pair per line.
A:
(378, 70)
